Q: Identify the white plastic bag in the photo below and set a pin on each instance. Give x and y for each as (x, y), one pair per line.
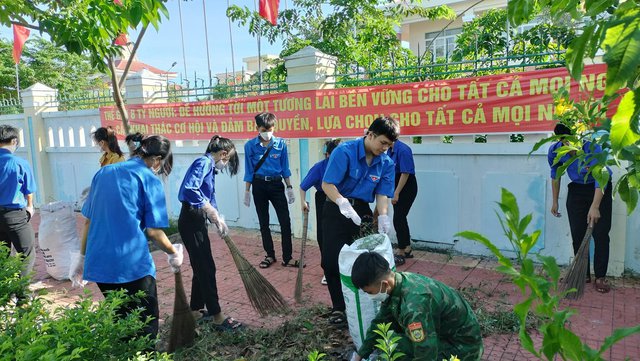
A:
(58, 237)
(360, 310)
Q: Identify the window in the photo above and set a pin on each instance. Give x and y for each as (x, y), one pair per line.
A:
(445, 43)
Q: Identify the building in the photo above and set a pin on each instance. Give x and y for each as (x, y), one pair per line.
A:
(250, 68)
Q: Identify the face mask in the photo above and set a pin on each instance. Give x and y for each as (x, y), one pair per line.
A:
(266, 135)
(220, 165)
(380, 296)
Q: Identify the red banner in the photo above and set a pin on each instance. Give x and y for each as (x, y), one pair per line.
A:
(506, 103)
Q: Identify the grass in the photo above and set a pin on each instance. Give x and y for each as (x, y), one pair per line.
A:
(308, 331)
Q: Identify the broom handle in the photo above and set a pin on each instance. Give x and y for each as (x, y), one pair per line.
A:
(305, 226)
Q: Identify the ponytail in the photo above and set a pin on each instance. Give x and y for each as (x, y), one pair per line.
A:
(157, 146)
(108, 135)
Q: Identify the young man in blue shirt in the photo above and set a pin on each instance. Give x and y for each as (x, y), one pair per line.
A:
(17, 185)
(266, 164)
(358, 172)
(314, 179)
(403, 197)
(588, 203)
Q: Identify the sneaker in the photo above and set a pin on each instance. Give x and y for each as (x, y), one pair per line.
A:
(324, 280)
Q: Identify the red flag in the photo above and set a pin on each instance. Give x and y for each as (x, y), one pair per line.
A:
(20, 35)
(269, 10)
(121, 40)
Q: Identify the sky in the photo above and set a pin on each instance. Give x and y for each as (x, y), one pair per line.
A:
(163, 47)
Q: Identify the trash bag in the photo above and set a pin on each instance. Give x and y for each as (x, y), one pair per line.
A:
(360, 309)
(58, 237)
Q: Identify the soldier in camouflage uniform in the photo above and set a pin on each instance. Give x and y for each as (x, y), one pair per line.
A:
(433, 319)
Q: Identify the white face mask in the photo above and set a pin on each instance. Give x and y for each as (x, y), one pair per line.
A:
(380, 296)
(266, 135)
(220, 165)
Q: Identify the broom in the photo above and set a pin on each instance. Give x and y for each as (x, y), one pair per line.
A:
(575, 278)
(263, 296)
(183, 327)
(305, 226)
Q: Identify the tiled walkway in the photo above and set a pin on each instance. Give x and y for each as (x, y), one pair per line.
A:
(598, 314)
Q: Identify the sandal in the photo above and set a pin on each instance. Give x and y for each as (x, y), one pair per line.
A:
(229, 324)
(295, 264)
(267, 261)
(602, 285)
(399, 259)
(337, 318)
(408, 254)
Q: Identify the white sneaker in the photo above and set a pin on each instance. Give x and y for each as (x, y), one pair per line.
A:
(324, 280)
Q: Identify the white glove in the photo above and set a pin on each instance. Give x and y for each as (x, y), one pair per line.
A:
(290, 195)
(384, 224)
(348, 211)
(223, 229)
(76, 270)
(215, 219)
(247, 198)
(175, 259)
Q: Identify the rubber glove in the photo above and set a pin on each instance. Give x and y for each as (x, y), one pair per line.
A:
(247, 199)
(76, 270)
(175, 259)
(384, 224)
(348, 211)
(290, 195)
(215, 219)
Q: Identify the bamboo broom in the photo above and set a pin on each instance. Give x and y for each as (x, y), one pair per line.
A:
(305, 226)
(575, 277)
(263, 296)
(183, 326)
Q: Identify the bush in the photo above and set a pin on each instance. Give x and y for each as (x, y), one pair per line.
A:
(34, 329)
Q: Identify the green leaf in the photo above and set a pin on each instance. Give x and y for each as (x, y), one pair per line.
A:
(624, 124)
(520, 11)
(551, 266)
(576, 51)
(136, 14)
(571, 345)
(628, 194)
(622, 47)
(617, 335)
(596, 7)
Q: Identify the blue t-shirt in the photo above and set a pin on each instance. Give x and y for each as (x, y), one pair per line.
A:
(402, 156)
(198, 185)
(314, 177)
(577, 170)
(349, 172)
(16, 180)
(276, 164)
(125, 199)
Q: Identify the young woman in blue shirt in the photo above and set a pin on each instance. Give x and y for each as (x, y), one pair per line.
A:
(198, 198)
(314, 179)
(406, 189)
(359, 172)
(126, 204)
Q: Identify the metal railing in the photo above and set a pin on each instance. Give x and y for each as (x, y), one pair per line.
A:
(349, 75)
(88, 100)
(10, 106)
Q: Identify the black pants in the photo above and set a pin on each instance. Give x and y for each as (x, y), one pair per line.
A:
(579, 199)
(339, 230)
(263, 193)
(192, 225)
(149, 303)
(16, 230)
(401, 210)
(320, 198)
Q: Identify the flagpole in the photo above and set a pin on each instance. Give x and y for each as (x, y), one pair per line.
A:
(184, 58)
(206, 38)
(17, 81)
(233, 62)
(259, 54)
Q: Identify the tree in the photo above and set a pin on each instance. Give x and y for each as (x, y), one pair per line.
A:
(356, 32)
(88, 27)
(610, 28)
(45, 63)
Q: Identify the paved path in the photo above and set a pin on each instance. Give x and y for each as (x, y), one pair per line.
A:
(598, 314)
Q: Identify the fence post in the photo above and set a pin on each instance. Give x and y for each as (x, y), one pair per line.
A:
(308, 69)
(145, 87)
(36, 100)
